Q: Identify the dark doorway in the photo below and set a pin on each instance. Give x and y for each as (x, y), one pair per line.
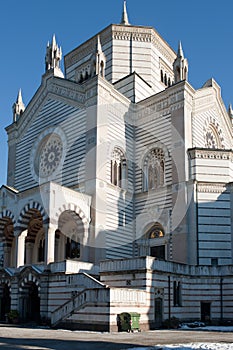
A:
(30, 303)
(158, 312)
(158, 252)
(5, 301)
(205, 311)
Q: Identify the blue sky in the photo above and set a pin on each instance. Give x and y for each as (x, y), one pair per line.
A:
(204, 27)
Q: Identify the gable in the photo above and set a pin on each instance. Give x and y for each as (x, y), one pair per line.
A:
(212, 126)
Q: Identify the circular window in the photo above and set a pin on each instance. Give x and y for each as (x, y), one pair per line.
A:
(49, 155)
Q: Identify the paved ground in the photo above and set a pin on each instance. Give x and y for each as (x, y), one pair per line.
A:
(17, 338)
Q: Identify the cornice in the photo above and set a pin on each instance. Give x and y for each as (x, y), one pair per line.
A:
(211, 188)
(208, 153)
(119, 32)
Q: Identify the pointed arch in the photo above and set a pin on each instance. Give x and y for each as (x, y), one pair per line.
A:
(154, 169)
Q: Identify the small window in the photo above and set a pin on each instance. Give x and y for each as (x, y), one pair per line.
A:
(214, 261)
(161, 73)
(41, 250)
(118, 168)
(177, 293)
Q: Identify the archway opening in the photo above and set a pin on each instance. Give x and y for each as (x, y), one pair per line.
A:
(69, 237)
(34, 248)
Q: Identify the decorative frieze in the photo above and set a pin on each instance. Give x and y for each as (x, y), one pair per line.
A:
(211, 188)
(211, 154)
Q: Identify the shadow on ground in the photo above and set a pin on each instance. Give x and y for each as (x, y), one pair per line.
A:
(58, 344)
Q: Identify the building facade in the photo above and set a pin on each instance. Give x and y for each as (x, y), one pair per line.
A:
(119, 189)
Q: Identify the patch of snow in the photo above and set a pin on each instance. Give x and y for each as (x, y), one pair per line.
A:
(191, 346)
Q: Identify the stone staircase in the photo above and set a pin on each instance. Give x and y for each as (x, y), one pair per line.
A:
(93, 292)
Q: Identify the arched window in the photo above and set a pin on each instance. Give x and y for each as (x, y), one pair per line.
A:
(41, 250)
(161, 74)
(156, 231)
(157, 247)
(118, 168)
(102, 68)
(154, 169)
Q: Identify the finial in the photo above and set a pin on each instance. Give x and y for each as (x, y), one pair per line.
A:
(99, 47)
(124, 18)
(18, 107)
(180, 52)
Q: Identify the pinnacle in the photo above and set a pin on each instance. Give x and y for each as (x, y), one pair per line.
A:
(124, 18)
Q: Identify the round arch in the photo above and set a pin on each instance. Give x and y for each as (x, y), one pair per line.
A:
(28, 211)
(73, 208)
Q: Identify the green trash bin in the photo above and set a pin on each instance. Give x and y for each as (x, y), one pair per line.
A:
(134, 321)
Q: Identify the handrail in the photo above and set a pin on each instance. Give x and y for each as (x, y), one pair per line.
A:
(77, 302)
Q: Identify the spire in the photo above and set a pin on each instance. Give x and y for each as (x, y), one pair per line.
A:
(53, 55)
(124, 18)
(18, 107)
(100, 59)
(180, 51)
(99, 47)
(180, 65)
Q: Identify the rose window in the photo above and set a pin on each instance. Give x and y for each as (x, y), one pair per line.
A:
(50, 155)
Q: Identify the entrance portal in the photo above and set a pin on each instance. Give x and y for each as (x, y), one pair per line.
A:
(205, 311)
(5, 301)
(158, 312)
(30, 303)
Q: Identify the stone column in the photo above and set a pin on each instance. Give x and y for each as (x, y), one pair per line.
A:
(20, 248)
(84, 246)
(49, 244)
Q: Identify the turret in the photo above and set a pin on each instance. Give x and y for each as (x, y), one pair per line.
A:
(180, 66)
(53, 57)
(18, 107)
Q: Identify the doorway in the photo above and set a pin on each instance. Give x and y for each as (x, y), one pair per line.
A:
(30, 303)
(5, 301)
(205, 311)
(158, 312)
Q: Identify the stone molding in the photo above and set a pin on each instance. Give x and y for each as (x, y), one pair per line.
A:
(211, 188)
(119, 32)
(211, 154)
